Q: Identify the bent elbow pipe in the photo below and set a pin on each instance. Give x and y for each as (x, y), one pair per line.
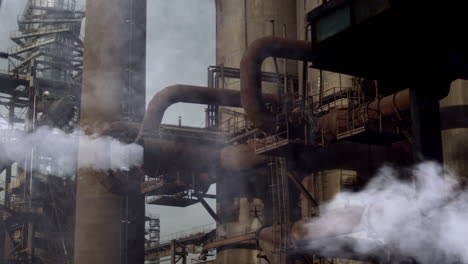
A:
(183, 94)
(250, 73)
(187, 94)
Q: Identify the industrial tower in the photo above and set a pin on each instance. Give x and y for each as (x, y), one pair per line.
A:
(45, 68)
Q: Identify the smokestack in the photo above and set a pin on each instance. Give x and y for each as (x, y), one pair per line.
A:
(113, 90)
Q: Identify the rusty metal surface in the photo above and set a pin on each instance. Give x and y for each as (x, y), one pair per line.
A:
(332, 224)
(229, 241)
(241, 157)
(388, 106)
(176, 155)
(180, 93)
(251, 84)
(187, 94)
(123, 131)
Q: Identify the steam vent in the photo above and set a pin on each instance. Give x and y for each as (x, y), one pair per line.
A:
(332, 132)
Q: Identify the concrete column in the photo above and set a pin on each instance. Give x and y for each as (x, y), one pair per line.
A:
(239, 23)
(113, 90)
(454, 123)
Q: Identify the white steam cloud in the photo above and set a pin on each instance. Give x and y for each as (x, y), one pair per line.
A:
(57, 152)
(425, 219)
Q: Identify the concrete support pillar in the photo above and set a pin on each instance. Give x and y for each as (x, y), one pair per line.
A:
(113, 90)
(454, 123)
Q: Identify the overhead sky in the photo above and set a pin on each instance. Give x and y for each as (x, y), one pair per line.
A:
(180, 47)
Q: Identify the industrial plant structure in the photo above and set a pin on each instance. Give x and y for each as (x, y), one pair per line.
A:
(308, 98)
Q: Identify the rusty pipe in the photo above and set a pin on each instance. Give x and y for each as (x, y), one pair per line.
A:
(388, 106)
(329, 225)
(241, 157)
(229, 241)
(169, 154)
(251, 73)
(166, 153)
(186, 94)
(126, 132)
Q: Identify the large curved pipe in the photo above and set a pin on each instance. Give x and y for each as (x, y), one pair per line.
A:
(180, 93)
(250, 72)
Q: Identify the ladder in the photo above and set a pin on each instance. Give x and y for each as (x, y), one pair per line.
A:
(280, 202)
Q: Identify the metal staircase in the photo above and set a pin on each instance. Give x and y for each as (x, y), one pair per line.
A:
(49, 40)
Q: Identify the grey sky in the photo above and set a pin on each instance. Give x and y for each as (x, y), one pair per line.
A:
(180, 47)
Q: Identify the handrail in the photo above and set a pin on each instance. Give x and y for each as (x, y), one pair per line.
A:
(54, 29)
(57, 5)
(40, 42)
(204, 229)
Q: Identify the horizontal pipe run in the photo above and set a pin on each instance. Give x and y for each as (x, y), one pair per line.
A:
(250, 72)
(169, 155)
(229, 241)
(329, 225)
(388, 106)
(124, 131)
(161, 154)
(241, 157)
(186, 94)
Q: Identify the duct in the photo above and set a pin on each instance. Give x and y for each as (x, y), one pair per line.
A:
(186, 94)
(241, 157)
(342, 228)
(229, 241)
(391, 105)
(160, 154)
(251, 84)
(333, 224)
(126, 132)
(168, 155)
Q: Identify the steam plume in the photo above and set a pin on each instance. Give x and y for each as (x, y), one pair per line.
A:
(61, 149)
(424, 219)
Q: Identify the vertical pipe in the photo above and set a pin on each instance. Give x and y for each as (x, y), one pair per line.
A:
(173, 251)
(113, 90)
